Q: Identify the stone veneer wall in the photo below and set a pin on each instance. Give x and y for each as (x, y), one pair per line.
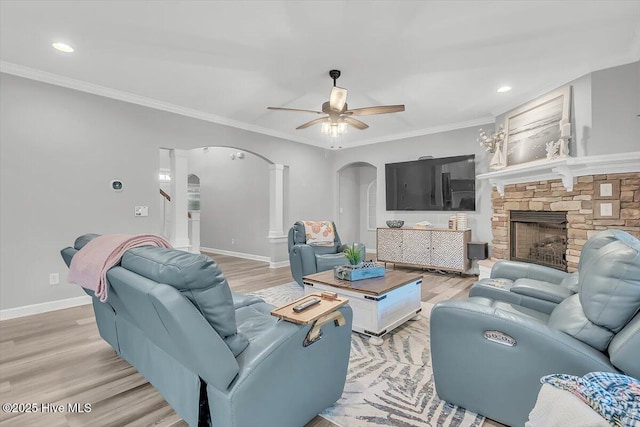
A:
(552, 196)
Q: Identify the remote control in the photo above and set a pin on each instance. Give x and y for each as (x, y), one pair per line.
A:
(305, 305)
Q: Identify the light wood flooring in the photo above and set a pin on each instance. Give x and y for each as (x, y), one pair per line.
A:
(58, 358)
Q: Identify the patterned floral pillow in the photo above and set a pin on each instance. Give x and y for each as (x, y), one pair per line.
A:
(319, 233)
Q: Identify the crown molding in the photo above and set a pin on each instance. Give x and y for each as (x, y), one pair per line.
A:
(83, 86)
(425, 131)
(527, 96)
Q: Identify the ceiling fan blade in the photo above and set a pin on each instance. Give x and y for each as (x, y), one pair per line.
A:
(312, 122)
(294, 109)
(356, 123)
(382, 109)
(338, 98)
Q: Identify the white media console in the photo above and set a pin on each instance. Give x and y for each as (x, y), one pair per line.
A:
(437, 248)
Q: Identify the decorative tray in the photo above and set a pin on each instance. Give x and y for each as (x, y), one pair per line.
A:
(367, 270)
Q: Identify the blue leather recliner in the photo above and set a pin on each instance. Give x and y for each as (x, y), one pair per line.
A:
(489, 355)
(217, 357)
(305, 259)
(538, 287)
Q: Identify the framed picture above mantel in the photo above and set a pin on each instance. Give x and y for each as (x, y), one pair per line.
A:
(540, 130)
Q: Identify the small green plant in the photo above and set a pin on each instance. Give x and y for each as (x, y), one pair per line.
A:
(353, 254)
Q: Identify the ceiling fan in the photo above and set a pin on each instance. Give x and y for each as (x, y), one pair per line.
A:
(338, 116)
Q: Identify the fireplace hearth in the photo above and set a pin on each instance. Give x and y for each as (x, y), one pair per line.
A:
(539, 237)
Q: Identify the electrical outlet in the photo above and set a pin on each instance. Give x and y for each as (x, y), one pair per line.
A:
(54, 278)
(233, 241)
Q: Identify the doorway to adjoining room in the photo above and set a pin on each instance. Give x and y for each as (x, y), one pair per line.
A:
(357, 203)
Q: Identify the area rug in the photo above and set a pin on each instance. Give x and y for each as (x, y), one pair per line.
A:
(389, 385)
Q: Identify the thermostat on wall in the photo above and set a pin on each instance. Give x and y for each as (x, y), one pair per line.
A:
(116, 185)
(141, 211)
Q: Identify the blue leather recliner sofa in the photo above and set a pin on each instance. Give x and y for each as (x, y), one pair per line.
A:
(529, 285)
(305, 259)
(489, 355)
(217, 357)
(538, 287)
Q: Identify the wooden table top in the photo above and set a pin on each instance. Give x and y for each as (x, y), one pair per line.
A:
(377, 286)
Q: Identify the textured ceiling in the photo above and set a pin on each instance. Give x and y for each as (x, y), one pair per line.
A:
(227, 61)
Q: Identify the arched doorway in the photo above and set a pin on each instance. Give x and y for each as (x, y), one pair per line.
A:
(241, 200)
(234, 200)
(357, 203)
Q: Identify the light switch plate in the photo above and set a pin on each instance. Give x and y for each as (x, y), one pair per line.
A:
(141, 211)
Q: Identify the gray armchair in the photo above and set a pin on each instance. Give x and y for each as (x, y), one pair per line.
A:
(305, 259)
(538, 287)
(489, 355)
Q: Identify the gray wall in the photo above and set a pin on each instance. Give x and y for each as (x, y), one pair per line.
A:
(604, 111)
(351, 222)
(234, 200)
(615, 109)
(366, 236)
(59, 150)
(604, 120)
(348, 219)
(581, 117)
(456, 142)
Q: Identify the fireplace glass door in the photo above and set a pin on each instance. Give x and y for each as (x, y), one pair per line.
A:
(539, 238)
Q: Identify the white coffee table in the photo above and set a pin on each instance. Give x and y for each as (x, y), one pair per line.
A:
(379, 305)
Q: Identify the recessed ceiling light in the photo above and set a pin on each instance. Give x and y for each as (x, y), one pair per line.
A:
(504, 89)
(62, 47)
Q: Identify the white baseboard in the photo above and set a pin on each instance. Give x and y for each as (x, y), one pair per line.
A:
(28, 310)
(279, 264)
(236, 254)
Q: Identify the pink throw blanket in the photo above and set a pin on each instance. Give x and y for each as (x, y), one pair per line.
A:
(89, 266)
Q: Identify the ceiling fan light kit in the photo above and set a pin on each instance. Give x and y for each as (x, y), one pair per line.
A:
(338, 116)
(334, 129)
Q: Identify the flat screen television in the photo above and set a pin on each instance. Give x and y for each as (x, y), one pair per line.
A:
(444, 184)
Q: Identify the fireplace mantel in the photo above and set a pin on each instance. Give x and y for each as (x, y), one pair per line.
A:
(566, 169)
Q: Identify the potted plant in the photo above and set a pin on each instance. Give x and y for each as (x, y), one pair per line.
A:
(357, 269)
(353, 254)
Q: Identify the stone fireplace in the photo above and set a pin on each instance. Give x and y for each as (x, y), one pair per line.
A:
(576, 214)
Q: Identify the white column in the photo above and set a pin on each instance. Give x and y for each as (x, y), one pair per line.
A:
(194, 231)
(277, 239)
(179, 230)
(276, 200)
